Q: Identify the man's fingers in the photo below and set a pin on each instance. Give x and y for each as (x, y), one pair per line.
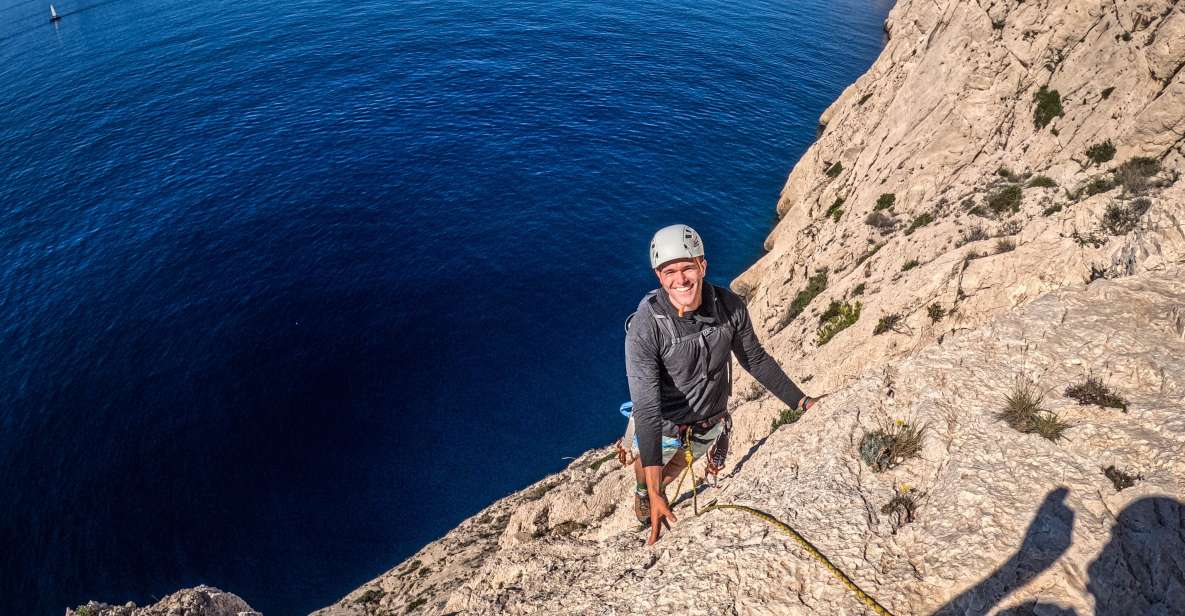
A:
(671, 515)
(653, 534)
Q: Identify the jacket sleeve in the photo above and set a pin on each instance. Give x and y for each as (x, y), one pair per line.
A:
(642, 370)
(753, 358)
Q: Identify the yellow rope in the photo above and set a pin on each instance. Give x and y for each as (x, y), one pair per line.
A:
(806, 545)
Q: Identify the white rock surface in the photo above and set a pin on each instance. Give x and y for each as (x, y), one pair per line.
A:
(197, 601)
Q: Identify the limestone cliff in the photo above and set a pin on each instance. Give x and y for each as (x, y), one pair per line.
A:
(992, 211)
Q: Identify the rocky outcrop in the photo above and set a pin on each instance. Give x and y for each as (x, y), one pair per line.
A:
(991, 215)
(198, 601)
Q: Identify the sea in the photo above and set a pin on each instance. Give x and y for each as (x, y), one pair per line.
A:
(289, 289)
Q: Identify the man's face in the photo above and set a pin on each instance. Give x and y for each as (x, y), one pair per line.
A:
(683, 280)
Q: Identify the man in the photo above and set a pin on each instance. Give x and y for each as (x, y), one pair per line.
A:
(677, 349)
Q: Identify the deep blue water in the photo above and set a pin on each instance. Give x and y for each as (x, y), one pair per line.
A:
(289, 289)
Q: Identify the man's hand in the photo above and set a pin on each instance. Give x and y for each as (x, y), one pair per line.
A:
(659, 511)
(659, 514)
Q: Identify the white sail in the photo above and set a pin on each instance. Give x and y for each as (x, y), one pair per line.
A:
(52, 13)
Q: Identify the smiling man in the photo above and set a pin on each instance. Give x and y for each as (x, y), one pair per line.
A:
(677, 356)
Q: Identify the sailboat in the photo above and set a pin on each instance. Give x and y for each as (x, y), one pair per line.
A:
(53, 15)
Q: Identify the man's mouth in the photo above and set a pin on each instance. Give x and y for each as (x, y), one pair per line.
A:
(682, 289)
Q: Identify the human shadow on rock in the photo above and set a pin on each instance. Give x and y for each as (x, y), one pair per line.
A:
(1141, 570)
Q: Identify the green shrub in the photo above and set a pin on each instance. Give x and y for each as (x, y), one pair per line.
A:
(868, 254)
(845, 317)
(1120, 219)
(1120, 479)
(830, 312)
(1049, 106)
(1093, 391)
(885, 201)
(919, 222)
(372, 595)
(1041, 181)
(879, 220)
(1005, 173)
(1005, 245)
(1092, 239)
(1098, 185)
(1100, 153)
(834, 170)
(86, 610)
(788, 416)
(834, 211)
(936, 312)
(1133, 175)
(1005, 199)
(1051, 210)
(908, 265)
(886, 448)
(816, 285)
(974, 234)
(1022, 411)
(887, 323)
(858, 290)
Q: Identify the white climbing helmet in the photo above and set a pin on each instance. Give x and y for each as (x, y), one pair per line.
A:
(675, 242)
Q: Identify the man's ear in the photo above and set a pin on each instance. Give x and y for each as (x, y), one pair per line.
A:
(703, 265)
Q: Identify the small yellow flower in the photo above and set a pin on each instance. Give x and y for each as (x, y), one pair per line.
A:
(900, 422)
(905, 488)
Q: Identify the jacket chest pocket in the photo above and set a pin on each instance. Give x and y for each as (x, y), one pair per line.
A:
(697, 357)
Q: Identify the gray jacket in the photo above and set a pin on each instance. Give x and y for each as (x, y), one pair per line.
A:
(679, 367)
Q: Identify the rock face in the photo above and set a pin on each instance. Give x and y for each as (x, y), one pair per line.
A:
(991, 216)
(199, 601)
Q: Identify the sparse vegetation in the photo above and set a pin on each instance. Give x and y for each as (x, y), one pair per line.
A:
(1100, 153)
(880, 220)
(868, 254)
(858, 290)
(1005, 245)
(1093, 391)
(1092, 239)
(1022, 411)
(830, 312)
(900, 509)
(1051, 210)
(1005, 199)
(836, 211)
(1120, 219)
(908, 265)
(834, 170)
(845, 317)
(372, 595)
(936, 312)
(416, 604)
(787, 416)
(1120, 479)
(919, 222)
(1097, 185)
(86, 610)
(887, 323)
(885, 201)
(1041, 181)
(1049, 106)
(886, 448)
(816, 285)
(974, 234)
(1005, 173)
(1133, 175)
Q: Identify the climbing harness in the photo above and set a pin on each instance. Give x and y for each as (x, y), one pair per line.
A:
(785, 528)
